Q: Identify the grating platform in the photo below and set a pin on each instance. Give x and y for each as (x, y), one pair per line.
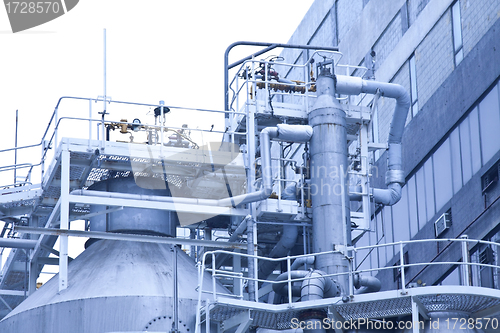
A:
(476, 301)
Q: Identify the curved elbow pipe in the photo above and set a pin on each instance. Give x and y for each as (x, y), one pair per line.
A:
(317, 286)
(389, 196)
(403, 103)
(395, 174)
(366, 284)
(302, 261)
(282, 288)
(283, 132)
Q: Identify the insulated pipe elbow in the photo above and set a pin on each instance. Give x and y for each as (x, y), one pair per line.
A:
(403, 103)
(366, 284)
(317, 284)
(318, 287)
(354, 86)
(283, 132)
(389, 196)
(282, 288)
(302, 261)
(395, 174)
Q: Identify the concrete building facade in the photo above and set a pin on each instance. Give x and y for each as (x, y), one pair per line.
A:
(446, 53)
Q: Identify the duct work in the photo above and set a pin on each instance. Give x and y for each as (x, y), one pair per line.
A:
(394, 180)
(317, 286)
(289, 133)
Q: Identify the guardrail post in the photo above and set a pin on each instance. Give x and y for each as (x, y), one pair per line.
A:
(63, 239)
(465, 260)
(289, 271)
(351, 278)
(402, 268)
(213, 277)
(90, 125)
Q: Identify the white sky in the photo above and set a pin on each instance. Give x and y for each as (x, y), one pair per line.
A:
(156, 50)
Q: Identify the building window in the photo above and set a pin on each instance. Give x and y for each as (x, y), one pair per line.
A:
(443, 181)
(413, 85)
(457, 32)
(405, 17)
(490, 178)
(489, 123)
(336, 35)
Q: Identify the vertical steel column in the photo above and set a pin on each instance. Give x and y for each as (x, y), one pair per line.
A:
(33, 273)
(414, 317)
(15, 145)
(365, 176)
(175, 321)
(237, 285)
(90, 125)
(63, 239)
(33, 262)
(330, 204)
(465, 260)
(253, 286)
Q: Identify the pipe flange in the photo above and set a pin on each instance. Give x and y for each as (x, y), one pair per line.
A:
(395, 176)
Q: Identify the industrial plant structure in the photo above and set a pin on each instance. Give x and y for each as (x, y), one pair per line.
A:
(354, 189)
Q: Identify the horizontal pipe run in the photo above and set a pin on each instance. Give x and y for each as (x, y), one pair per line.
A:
(129, 237)
(18, 243)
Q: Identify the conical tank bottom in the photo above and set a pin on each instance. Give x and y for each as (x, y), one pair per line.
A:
(113, 286)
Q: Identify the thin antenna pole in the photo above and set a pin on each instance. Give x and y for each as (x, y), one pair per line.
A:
(15, 144)
(104, 72)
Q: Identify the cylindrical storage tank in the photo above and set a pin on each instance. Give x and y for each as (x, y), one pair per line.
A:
(115, 286)
(119, 286)
(133, 220)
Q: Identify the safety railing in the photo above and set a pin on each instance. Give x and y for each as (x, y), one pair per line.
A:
(96, 123)
(242, 279)
(268, 77)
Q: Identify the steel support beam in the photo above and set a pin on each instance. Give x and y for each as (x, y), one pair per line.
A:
(129, 237)
(171, 206)
(5, 292)
(63, 240)
(54, 215)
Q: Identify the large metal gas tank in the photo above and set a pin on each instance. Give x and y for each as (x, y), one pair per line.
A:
(114, 286)
(129, 219)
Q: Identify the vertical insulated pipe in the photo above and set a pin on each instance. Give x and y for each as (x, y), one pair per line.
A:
(328, 147)
(251, 264)
(175, 321)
